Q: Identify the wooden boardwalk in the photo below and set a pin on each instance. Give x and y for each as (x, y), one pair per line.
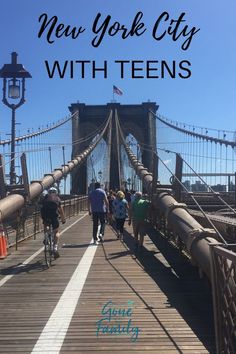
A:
(155, 298)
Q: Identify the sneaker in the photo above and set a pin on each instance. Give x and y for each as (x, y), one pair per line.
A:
(101, 237)
(55, 251)
(95, 242)
(56, 254)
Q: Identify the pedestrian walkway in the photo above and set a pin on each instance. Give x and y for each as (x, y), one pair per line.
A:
(102, 299)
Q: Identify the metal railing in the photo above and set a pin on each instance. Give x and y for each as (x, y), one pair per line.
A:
(223, 270)
(205, 248)
(28, 221)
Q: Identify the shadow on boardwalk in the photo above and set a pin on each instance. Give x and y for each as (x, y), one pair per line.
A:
(178, 280)
(24, 268)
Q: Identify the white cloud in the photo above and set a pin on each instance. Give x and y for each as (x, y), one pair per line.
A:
(167, 162)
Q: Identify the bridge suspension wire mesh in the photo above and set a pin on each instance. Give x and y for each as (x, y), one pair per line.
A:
(139, 165)
(128, 175)
(10, 204)
(45, 149)
(41, 130)
(38, 146)
(118, 148)
(212, 157)
(108, 157)
(131, 156)
(224, 203)
(98, 163)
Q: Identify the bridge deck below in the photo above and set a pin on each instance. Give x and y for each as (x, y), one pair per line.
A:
(155, 291)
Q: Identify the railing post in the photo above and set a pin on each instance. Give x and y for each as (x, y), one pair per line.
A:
(34, 218)
(154, 174)
(74, 213)
(70, 208)
(17, 229)
(235, 189)
(3, 190)
(25, 176)
(81, 203)
(178, 173)
(77, 205)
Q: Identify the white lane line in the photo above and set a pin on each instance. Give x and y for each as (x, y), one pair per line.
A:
(18, 268)
(54, 332)
(28, 260)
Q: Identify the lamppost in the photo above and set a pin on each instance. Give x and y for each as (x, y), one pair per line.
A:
(100, 175)
(14, 76)
(128, 182)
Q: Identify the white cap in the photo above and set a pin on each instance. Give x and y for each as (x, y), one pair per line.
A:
(52, 190)
(138, 194)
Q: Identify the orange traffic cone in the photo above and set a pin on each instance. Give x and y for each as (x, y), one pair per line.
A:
(3, 245)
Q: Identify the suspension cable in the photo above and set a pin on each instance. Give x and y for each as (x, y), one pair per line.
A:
(196, 174)
(193, 133)
(40, 132)
(196, 202)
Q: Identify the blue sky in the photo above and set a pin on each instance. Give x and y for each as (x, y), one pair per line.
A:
(206, 99)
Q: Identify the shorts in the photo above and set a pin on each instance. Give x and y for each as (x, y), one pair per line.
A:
(51, 221)
(139, 227)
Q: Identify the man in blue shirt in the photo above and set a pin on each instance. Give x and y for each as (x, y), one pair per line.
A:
(97, 206)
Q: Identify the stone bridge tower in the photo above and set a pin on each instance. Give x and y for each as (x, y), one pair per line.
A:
(134, 119)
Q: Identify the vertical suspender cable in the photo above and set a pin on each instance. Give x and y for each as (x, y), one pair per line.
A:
(109, 151)
(220, 163)
(64, 162)
(117, 145)
(50, 157)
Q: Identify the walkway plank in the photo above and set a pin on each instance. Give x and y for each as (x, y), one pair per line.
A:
(170, 310)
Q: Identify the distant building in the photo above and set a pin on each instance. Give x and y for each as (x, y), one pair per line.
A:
(198, 187)
(187, 185)
(219, 188)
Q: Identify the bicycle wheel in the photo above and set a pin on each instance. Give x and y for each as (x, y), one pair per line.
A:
(48, 250)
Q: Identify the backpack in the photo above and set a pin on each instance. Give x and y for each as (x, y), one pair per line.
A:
(50, 205)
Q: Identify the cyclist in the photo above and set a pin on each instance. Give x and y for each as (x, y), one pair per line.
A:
(50, 211)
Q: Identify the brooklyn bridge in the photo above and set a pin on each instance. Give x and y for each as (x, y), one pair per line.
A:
(176, 296)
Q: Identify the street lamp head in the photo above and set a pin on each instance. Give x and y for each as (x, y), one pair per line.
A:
(14, 76)
(100, 175)
(14, 89)
(14, 70)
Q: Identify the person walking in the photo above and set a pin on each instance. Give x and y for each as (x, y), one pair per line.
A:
(138, 213)
(111, 198)
(120, 209)
(97, 206)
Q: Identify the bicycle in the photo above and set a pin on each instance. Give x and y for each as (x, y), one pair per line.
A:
(48, 245)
